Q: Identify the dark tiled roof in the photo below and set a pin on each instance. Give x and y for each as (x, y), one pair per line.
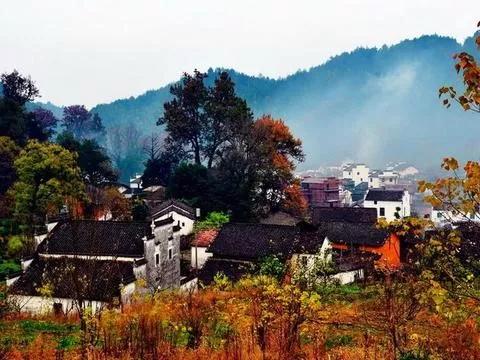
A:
(234, 270)
(347, 214)
(353, 234)
(101, 280)
(173, 205)
(253, 241)
(384, 195)
(163, 222)
(89, 237)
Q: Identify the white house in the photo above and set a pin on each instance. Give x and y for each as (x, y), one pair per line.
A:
(356, 172)
(390, 204)
(98, 261)
(378, 179)
(183, 215)
(199, 249)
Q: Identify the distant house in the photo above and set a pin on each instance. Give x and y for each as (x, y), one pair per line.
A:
(239, 248)
(356, 172)
(357, 192)
(154, 195)
(183, 215)
(364, 238)
(202, 240)
(321, 191)
(378, 179)
(390, 204)
(97, 262)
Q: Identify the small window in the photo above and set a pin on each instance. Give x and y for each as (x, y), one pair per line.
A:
(170, 254)
(361, 179)
(304, 260)
(391, 180)
(183, 224)
(375, 202)
(57, 309)
(371, 179)
(358, 173)
(157, 259)
(382, 211)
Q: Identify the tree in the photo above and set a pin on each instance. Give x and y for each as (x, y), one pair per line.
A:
(190, 182)
(8, 152)
(185, 116)
(116, 204)
(161, 161)
(214, 220)
(17, 88)
(47, 178)
(81, 123)
(125, 146)
(95, 165)
(228, 115)
(202, 119)
(46, 120)
(15, 121)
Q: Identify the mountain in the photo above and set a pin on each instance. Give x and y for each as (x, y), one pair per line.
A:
(371, 105)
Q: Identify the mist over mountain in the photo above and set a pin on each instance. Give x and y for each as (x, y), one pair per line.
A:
(369, 105)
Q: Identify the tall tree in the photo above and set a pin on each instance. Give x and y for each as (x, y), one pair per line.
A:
(46, 121)
(184, 116)
(80, 122)
(17, 88)
(47, 178)
(95, 165)
(228, 115)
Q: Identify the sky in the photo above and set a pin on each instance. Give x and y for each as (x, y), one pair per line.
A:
(96, 51)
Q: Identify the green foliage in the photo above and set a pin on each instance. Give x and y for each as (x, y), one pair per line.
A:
(192, 183)
(272, 266)
(15, 245)
(214, 220)
(93, 161)
(48, 177)
(139, 211)
(337, 341)
(413, 355)
(8, 267)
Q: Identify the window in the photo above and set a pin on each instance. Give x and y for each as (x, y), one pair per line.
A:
(361, 179)
(371, 179)
(183, 224)
(170, 254)
(304, 260)
(375, 202)
(358, 173)
(157, 259)
(57, 309)
(382, 211)
(391, 180)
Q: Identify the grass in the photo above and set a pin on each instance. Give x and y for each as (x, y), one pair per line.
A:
(24, 332)
(8, 267)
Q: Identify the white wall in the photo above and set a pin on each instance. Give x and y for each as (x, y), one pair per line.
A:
(44, 305)
(202, 256)
(185, 222)
(358, 173)
(391, 207)
(374, 182)
(349, 277)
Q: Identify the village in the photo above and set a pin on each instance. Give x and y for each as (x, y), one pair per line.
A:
(168, 252)
(208, 180)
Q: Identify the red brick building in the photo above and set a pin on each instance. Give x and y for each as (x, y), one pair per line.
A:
(323, 192)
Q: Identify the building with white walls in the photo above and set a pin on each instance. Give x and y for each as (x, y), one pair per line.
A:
(390, 204)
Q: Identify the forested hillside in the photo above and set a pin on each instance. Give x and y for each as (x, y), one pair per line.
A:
(372, 105)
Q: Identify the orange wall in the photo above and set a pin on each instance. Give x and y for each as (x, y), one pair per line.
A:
(389, 252)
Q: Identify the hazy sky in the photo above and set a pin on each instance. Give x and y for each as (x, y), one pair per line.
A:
(93, 51)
